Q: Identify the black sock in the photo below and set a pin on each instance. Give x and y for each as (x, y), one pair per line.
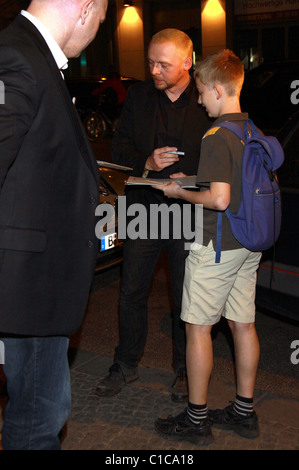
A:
(242, 405)
(196, 413)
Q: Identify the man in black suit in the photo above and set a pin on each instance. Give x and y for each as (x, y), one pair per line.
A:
(159, 116)
(48, 195)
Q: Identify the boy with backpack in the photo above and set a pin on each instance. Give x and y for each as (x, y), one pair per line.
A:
(214, 289)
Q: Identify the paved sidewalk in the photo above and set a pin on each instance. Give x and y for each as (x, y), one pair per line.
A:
(126, 421)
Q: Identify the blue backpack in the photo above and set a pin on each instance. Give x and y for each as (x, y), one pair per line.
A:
(257, 223)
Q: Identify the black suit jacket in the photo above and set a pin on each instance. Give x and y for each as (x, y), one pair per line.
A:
(48, 193)
(134, 138)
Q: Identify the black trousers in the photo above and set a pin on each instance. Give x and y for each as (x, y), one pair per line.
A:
(140, 258)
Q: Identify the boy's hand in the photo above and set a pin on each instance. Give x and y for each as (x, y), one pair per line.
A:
(177, 175)
(172, 190)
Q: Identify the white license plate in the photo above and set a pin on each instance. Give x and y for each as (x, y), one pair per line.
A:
(109, 241)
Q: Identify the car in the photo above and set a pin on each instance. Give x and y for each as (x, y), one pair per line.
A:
(112, 185)
(269, 94)
(278, 275)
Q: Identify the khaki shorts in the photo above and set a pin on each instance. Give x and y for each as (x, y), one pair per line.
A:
(227, 289)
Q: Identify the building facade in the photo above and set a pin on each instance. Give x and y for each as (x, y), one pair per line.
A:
(257, 30)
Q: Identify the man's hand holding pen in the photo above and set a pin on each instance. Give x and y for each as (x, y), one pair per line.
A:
(162, 158)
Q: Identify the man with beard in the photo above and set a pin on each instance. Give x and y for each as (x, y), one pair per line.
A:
(159, 117)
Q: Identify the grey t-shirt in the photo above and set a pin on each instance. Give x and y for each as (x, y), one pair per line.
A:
(221, 161)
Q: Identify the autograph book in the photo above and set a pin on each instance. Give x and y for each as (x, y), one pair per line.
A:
(188, 182)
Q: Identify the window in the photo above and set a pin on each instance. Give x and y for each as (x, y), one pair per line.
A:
(293, 43)
(273, 44)
(247, 48)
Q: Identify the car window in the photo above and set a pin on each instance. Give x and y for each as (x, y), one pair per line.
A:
(288, 174)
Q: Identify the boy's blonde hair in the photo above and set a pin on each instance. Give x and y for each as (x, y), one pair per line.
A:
(180, 39)
(223, 67)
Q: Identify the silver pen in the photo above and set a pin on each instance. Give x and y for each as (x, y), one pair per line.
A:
(176, 152)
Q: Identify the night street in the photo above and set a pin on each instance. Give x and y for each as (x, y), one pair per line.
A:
(127, 420)
(199, 100)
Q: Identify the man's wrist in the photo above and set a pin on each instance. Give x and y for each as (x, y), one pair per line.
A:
(147, 168)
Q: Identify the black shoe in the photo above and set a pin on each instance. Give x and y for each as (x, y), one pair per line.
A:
(179, 388)
(117, 379)
(245, 426)
(181, 428)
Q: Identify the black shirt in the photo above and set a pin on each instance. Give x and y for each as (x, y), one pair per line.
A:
(171, 119)
(169, 132)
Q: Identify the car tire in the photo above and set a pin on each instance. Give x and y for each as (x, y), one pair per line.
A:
(95, 126)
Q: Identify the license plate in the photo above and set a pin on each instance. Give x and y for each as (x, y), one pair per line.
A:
(109, 241)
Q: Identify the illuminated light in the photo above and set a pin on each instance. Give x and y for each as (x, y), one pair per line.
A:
(128, 3)
(83, 59)
(130, 16)
(213, 20)
(213, 9)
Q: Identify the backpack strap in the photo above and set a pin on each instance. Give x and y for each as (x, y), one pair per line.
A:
(218, 237)
(241, 134)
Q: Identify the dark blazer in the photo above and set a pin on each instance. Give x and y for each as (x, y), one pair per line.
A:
(134, 138)
(48, 193)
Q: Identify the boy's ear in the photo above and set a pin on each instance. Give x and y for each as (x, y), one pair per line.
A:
(218, 91)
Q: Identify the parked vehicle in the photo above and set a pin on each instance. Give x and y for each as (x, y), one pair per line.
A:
(100, 121)
(99, 112)
(278, 276)
(111, 186)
